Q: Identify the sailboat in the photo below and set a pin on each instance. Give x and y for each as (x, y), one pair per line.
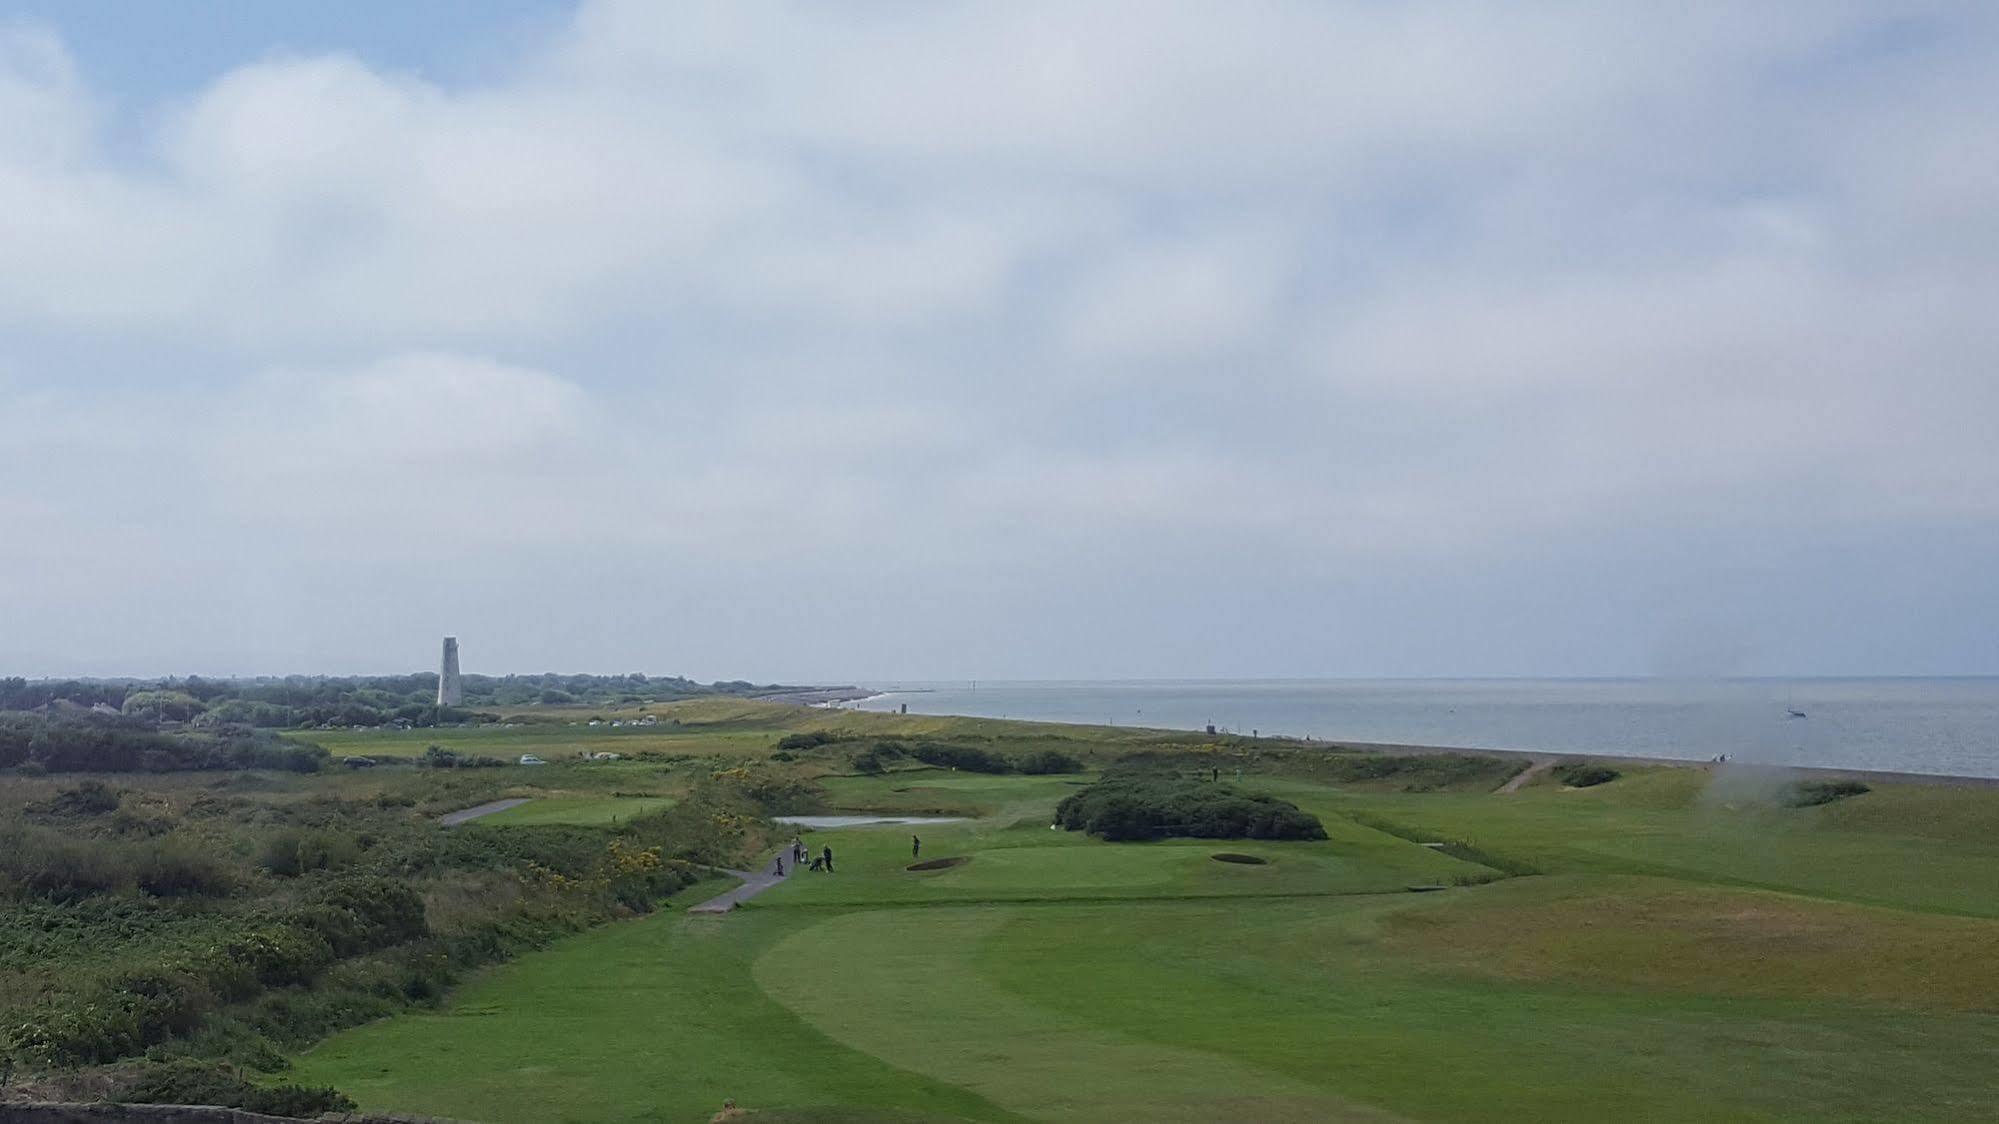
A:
(1791, 706)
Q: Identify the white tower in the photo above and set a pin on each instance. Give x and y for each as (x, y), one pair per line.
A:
(448, 690)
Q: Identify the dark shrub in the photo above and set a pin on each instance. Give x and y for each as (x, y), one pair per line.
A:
(1808, 794)
(877, 757)
(129, 1011)
(356, 913)
(296, 851)
(812, 740)
(190, 1081)
(1128, 806)
(970, 758)
(41, 863)
(1585, 774)
(1047, 761)
(89, 798)
(175, 867)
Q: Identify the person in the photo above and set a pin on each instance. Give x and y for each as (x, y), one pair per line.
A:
(829, 859)
(797, 851)
(780, 866)
(915, 847)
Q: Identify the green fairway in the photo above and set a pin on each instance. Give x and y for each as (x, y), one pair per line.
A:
(1648, 974)
(578, 810)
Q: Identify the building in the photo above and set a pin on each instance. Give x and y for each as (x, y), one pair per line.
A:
(449, 691)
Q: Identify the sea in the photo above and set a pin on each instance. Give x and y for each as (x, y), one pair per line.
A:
(1941, 726)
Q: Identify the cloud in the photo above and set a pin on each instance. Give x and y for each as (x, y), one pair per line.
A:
(1179, 301)
(1132, 296)
(407, 413)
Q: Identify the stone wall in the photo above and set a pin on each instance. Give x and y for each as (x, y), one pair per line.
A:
(45, 1112)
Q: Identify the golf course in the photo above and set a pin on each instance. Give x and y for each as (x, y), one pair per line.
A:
(1673, 943)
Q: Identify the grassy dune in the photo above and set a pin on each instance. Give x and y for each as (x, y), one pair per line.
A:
(710, 728)
(1692, 951)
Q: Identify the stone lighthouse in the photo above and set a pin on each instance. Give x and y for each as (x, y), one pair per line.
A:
(448, 690)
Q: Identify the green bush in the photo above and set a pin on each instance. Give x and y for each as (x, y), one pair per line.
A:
(1585, 774)
(44, 864)
(1047, 761)
(355, 913)
(1127, 806)
(90, 798)
(811, 740)
(876, 758)
(295, 851)
(190, 1081)
(970, 758)
(173, 867)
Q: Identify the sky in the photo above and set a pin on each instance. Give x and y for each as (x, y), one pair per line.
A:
(835, 342)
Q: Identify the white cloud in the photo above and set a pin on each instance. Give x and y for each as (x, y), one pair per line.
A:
(991, 287)
(1179, 301)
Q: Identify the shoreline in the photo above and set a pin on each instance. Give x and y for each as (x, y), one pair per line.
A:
(1885, 776)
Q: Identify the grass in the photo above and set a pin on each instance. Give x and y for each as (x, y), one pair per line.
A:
(659, 1019)
(577, 810)
(1671, 822)
(1691, 953)
(717, 728)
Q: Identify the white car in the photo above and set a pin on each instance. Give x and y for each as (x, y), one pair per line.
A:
(531, 759)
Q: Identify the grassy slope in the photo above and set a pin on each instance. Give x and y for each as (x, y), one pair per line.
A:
(713, 728)
(577, 810)
(1030, 988)
(654, 1020)
(1910, 846)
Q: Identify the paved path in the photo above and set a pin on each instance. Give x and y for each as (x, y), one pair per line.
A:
(1540, 765)
(754, 883)
(453, 819)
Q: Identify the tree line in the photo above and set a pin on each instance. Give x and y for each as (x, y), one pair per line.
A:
(299, 701)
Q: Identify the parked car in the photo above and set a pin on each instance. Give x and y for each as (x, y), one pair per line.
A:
(358, 762)
(531, 759)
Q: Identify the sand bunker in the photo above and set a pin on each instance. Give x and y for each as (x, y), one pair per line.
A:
(940, 864)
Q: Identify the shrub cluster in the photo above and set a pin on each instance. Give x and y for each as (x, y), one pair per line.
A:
(438, 757)
(969, 758)
(1128, 806)
(196, 1082)
(1585, 774)
(99, 743)
(306, 701)
(796, 743)
(1044, 762)
(134, 1008)
(58, 866)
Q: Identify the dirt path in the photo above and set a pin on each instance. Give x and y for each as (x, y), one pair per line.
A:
(1540, 765)
(453, 819)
